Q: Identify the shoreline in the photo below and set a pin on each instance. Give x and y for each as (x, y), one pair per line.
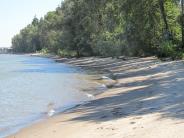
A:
(61, 110)
(86, 68)
(146, 101)
(26, 122)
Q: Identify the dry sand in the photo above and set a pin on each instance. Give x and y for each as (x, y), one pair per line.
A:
(146, 102)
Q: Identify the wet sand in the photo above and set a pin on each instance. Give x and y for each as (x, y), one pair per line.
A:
(146, 101)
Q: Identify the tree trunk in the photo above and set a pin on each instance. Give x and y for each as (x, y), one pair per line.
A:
(182, 22)
(164, 17)
(78, 53)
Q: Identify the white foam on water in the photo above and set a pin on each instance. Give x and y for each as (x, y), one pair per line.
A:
(51, 113)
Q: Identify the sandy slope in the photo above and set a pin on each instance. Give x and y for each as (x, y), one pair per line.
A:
(146, 102)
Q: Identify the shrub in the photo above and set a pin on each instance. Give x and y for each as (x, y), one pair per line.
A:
(66, 53)
(107, 48)
(178, 55)
(166, 49)
(44, 51)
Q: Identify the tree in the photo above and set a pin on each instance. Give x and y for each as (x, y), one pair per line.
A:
(105, 28)
(182, 22)
(164, 16)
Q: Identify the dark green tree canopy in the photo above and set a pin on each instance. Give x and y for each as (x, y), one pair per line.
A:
(106, 28)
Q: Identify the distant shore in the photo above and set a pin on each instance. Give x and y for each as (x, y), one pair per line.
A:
(144, 101)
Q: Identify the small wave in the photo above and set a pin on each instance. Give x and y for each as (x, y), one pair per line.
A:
(104, 77)
(51, 112)
(90, 96)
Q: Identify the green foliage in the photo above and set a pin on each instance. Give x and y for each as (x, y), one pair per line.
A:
(106, 48)
(66, 53)
(178, 56)
(166, 49)
(106, 28)
(44, 51)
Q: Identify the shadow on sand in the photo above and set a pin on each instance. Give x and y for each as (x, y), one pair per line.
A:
(145, 86)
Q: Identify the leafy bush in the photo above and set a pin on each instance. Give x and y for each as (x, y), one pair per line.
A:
(44, 51)
(166, 49)
(178, 55)
(107, 48)
(66, 53)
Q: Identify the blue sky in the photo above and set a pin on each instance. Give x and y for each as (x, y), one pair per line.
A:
(16, 14)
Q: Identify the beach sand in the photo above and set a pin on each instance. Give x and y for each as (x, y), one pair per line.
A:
(147, 101)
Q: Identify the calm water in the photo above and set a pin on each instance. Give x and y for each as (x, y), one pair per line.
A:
(30, 87)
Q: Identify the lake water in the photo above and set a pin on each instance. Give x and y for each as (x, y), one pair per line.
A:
(33, 87)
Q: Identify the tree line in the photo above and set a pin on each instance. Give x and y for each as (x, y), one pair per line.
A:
(107, 28)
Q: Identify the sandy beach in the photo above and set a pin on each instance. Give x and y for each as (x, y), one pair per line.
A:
(146, 101)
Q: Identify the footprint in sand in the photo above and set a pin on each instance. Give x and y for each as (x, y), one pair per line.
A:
(136, 118)
(132, 123)
(117, 112)
(103, 117)
(107, 128)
